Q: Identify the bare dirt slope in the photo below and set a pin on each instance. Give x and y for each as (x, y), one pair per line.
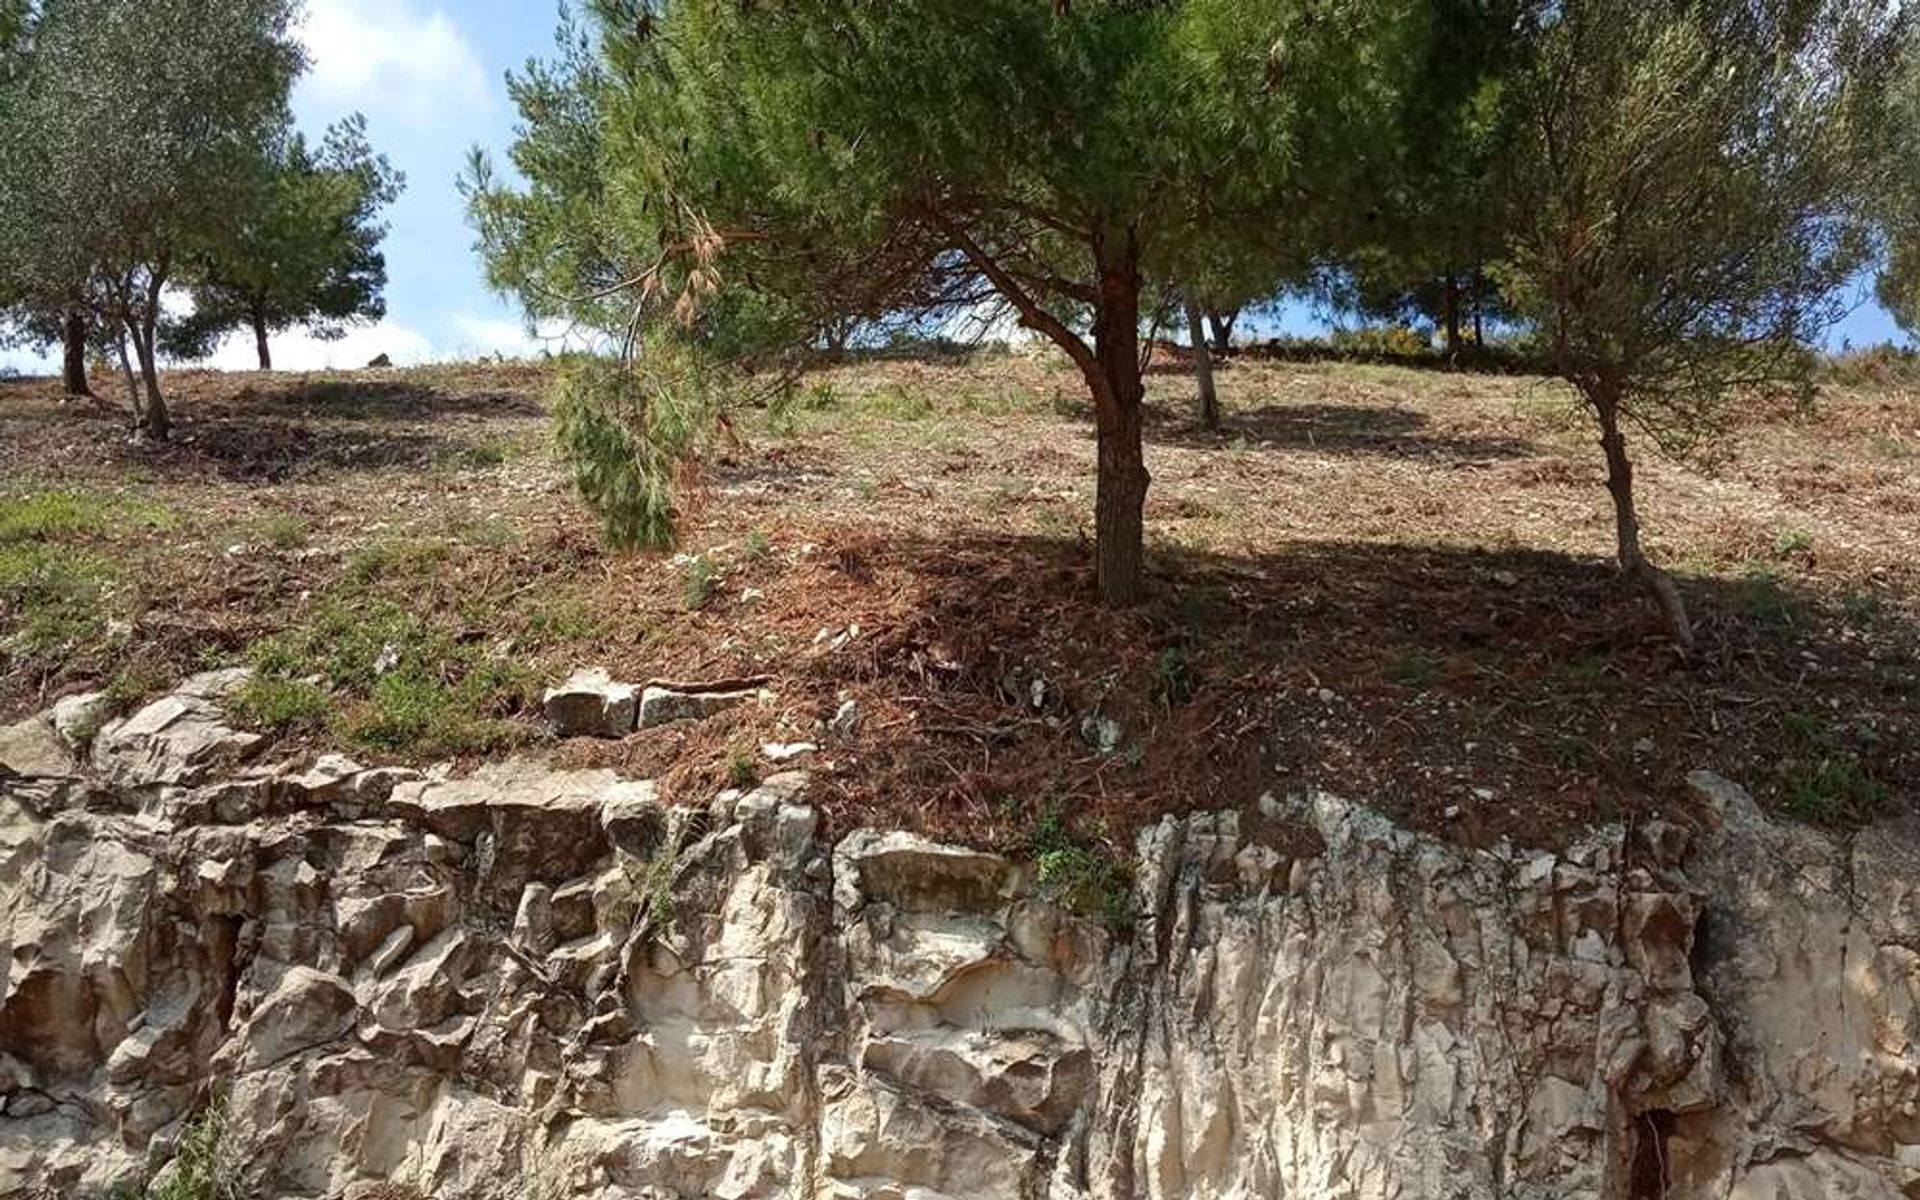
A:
(1388, 582)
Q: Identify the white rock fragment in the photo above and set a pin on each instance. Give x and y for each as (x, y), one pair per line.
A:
(1102, 733)
(591, 704)
(665, 706)
(846, 720)
(77, 718)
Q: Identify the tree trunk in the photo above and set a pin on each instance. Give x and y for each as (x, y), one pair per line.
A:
(1452, 303)
(1112, 369)
(1605, 397)
(260, 340)
(153, 419)
(1479, 310)
(1203, 367)
(1121, 484)
(126, 373)
(73, 367)
(1222, 321)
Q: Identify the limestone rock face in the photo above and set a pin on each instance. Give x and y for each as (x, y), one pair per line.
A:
(532, 982)
(178, 739)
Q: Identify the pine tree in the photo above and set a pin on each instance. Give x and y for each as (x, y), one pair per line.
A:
(304, 250)
(787, 168)
(1692, 190)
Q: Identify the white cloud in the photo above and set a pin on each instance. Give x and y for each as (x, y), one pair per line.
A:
(393, 59)
(474, 337)
(480, 337)
(298, 350)
(27, 362)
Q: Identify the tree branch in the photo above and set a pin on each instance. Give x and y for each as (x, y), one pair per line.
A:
(1032, 315)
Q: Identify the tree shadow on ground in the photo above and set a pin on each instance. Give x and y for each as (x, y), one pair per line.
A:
(1477, 695)
(274, 431)
(1345, 429)
(374, 400)
(267, 451)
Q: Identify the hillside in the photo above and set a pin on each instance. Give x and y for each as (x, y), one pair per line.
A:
(1388, 582)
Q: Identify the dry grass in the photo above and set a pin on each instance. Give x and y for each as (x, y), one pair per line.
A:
(1384, 581)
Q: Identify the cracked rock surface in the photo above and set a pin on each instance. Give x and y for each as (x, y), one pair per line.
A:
(531, 982)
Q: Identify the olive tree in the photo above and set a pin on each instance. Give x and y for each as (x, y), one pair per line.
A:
(1690, 195)
(797, 166)
(1898, 285)
(126, 136)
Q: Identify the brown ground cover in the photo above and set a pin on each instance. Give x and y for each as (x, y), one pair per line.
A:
(1391, 583)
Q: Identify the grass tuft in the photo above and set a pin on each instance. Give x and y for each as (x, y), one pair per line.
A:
(1415, 669)
(404, 685)
(286, 531)
(64, 516)
(201, 1169)
(698, 578)
(1765, 600)
(271, 702)
(1825, 776)
(397, 559)
(1791, 542)
(56, 593)
(54, 598)
(1081, 876)
(741, 769)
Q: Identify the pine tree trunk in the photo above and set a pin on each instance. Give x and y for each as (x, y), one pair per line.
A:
(73, 367)
(1453, 315)
(1605, 397)
(1203, 367)
(1222, 321)
(1479, 310)
(260, 341)
(1121, 484)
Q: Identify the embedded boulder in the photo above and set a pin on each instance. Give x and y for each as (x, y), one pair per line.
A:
(668, 706)
(180, 739)
(591, 704)
(34, 749)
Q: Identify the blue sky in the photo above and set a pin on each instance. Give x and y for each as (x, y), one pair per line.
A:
(430, 77)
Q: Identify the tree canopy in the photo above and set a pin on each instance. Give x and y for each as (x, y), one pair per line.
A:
(1898, 284)
(1420, 253)
(126, 142)
(303, 250)
(779, 171)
